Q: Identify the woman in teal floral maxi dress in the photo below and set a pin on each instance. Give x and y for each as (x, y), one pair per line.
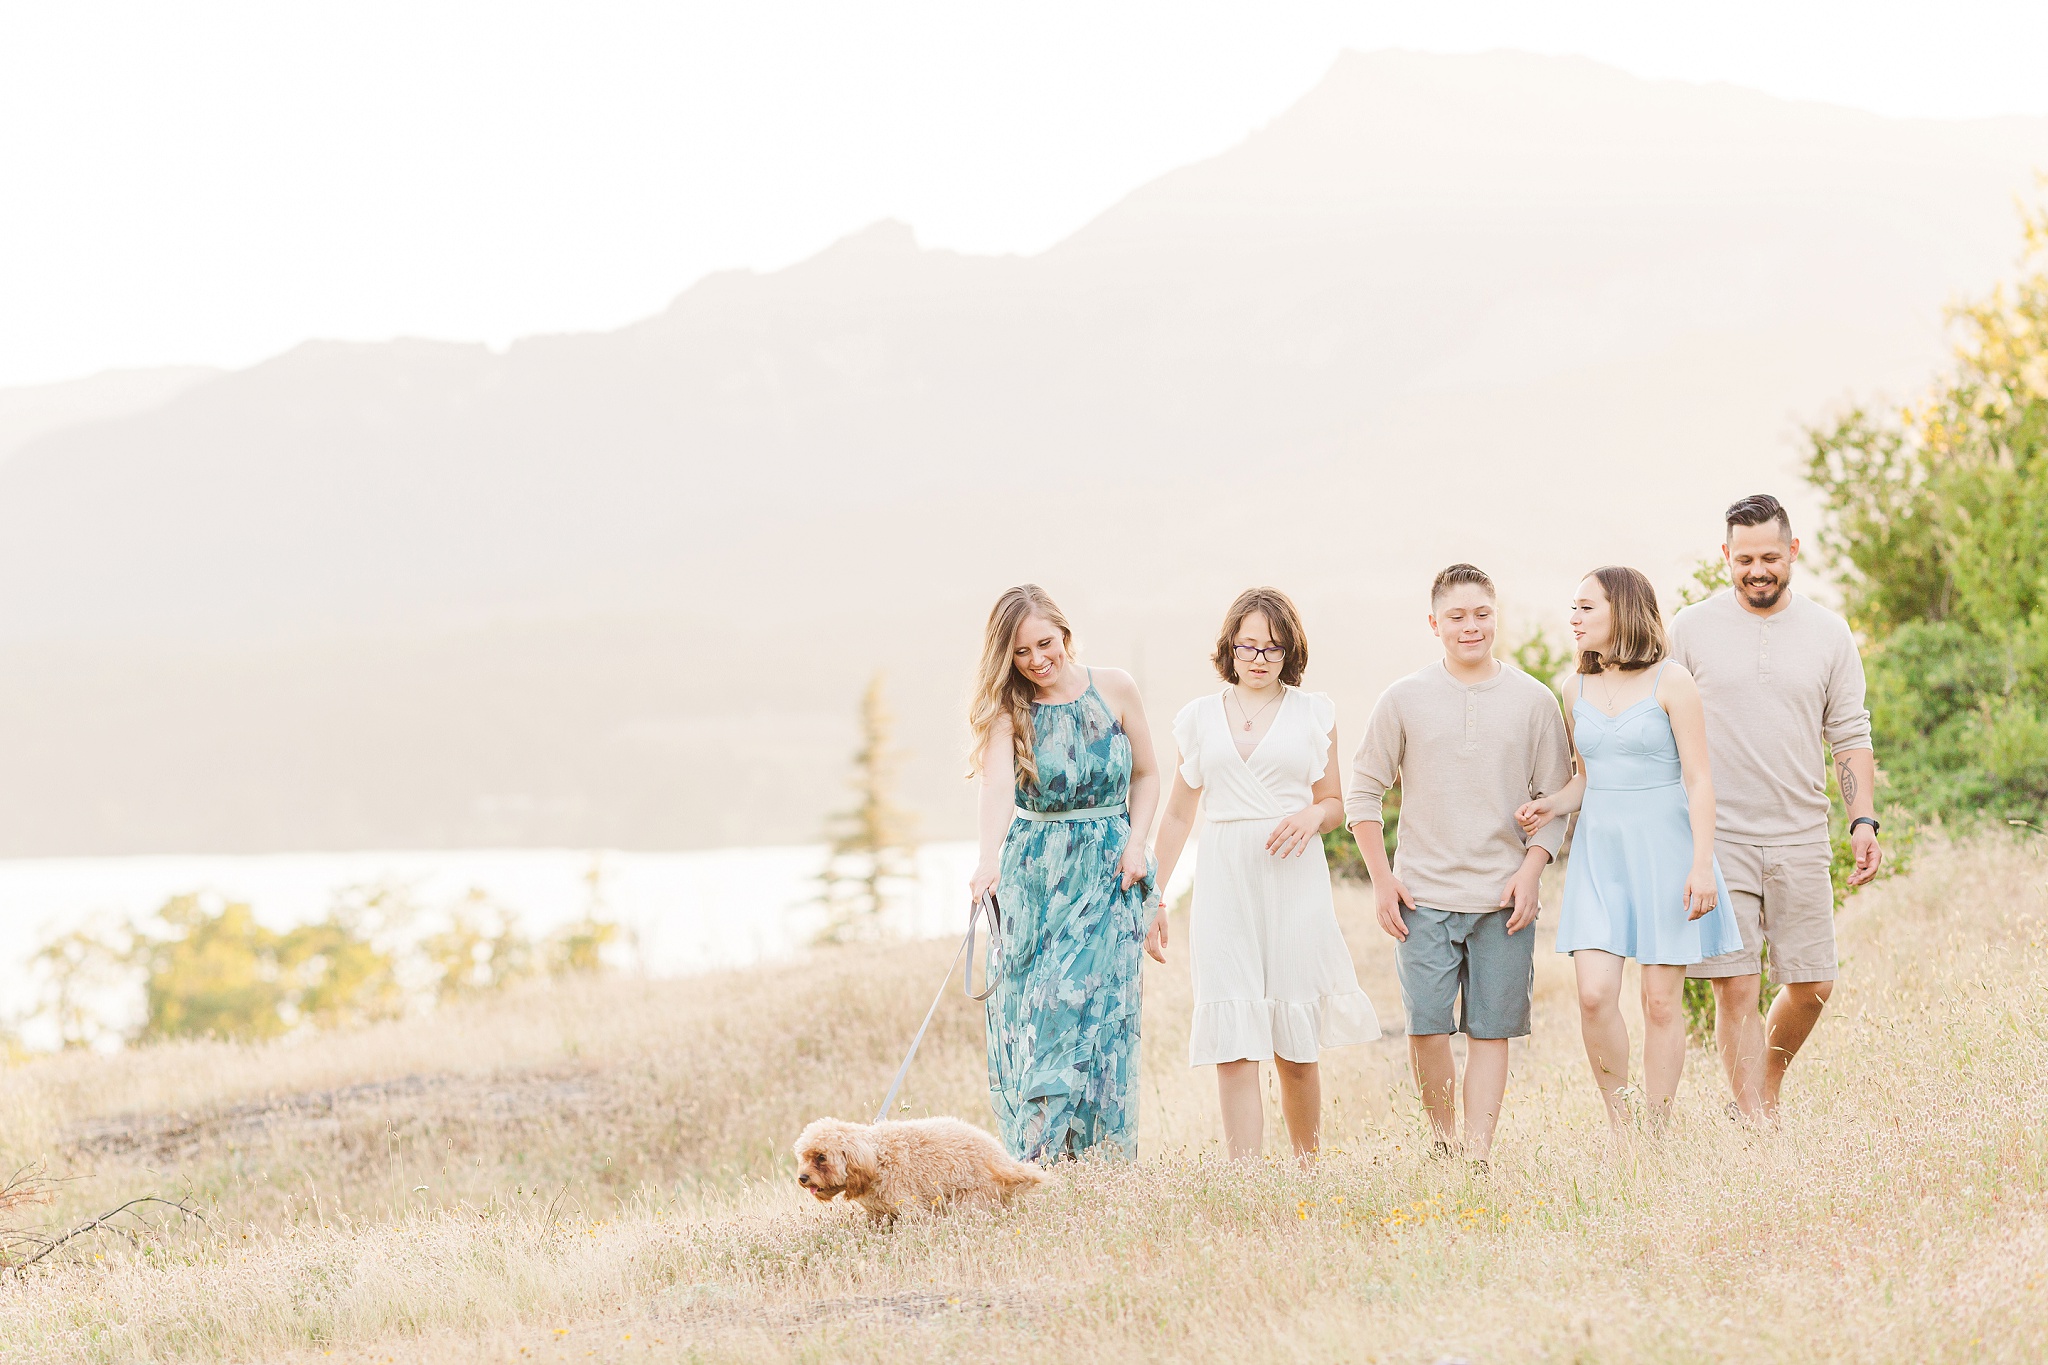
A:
(1058, 811)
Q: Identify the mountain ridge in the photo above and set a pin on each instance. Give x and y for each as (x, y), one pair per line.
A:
(402, 589)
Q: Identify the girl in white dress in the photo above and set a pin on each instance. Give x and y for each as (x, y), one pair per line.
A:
(1273, 976)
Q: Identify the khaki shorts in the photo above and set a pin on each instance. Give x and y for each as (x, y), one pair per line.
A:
(1781, 894)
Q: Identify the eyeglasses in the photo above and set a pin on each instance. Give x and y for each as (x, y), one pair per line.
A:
(1272, 654)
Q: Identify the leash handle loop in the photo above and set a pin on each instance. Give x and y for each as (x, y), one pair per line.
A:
(985, 908)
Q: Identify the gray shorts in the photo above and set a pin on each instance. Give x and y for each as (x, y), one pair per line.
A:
(1468, 963)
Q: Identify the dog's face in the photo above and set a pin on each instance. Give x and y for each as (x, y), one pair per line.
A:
(834, 1157)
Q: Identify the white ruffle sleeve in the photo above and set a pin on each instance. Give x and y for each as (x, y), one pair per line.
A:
(1322, 716)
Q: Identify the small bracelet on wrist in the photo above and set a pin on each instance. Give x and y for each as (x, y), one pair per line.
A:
(1869, 820)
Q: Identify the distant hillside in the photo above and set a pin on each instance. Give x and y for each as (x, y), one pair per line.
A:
(622, 588)
(30, 410)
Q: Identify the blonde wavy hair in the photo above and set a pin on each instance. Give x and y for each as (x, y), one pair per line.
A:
(999, 689)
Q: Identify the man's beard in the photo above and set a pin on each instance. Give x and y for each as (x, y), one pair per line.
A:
(1763, 598)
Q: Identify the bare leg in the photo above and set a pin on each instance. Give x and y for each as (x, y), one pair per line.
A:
(1739, 1034)
(1793, 1015)
(1301, 1100)
(1244, 1109)
(1663, 1037)
(1601, 1024)
(1436, 1076)
(1486, 1087)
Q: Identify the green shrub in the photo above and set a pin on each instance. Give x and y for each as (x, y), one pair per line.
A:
(1937, 526)
(1346, 863)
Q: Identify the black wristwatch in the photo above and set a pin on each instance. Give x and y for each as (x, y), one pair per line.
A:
(1869, 820)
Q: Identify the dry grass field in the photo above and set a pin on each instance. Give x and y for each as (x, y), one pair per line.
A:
(600, 1172)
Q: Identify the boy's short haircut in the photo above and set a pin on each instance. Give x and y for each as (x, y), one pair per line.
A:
(1755, 510)
(1457, 576)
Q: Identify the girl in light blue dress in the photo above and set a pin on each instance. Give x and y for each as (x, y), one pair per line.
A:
(1642, 881)
(1067, 773)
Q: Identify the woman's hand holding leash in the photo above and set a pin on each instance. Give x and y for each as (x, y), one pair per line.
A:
(982, 883)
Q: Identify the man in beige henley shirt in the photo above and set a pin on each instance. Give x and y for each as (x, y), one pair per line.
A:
(1469, 739)
(1782, 685)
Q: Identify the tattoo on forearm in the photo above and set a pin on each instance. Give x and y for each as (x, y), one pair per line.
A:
(1846, 775)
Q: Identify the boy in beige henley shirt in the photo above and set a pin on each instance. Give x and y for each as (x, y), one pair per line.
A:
(1466, 757)
(1469, 739)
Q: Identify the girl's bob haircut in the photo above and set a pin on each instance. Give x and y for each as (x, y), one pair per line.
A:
(1638, 625)
(1281, 618)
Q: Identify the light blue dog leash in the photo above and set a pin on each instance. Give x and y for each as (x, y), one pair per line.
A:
(985, 908)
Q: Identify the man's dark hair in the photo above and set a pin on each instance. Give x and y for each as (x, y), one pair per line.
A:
(1758, 508)
(1454, 576)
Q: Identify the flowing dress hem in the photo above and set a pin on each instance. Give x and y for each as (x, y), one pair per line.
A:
(1291, 1030)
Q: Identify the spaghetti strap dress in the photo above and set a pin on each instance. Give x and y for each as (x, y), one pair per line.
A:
(1273, 976)
(1063, 1015)
(1624, 888)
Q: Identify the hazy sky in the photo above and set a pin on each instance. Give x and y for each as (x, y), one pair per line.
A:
(213, 182)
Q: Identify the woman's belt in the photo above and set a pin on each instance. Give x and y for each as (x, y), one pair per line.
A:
(1085, 813)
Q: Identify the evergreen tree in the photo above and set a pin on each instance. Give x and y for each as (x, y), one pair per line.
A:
(872, 854)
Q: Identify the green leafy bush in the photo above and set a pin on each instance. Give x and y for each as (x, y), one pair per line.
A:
(208, 968)
(1937, 525)
(1346, 863)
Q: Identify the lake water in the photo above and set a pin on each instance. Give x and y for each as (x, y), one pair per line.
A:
(681, 913)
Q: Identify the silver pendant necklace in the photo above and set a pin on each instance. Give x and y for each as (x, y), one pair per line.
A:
(1255, 715)
(1611, 691)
